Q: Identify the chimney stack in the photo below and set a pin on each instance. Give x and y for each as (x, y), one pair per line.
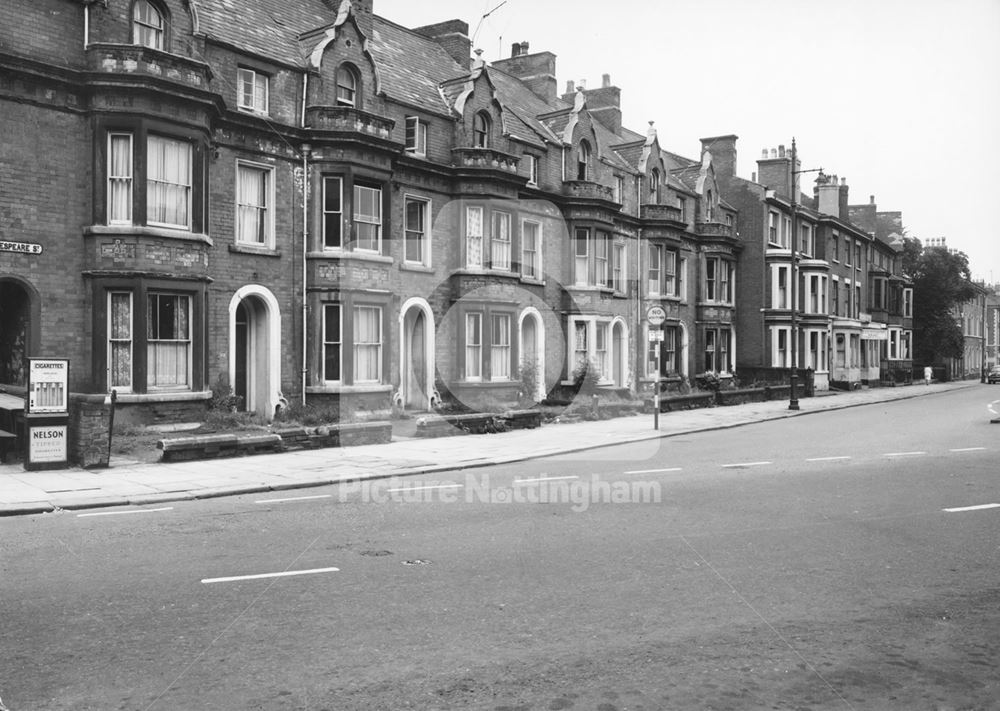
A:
(723, 152)
(604, 103)
(453, 36)
(537, 71)
(515, 49)
(776, 172)
(605, 81)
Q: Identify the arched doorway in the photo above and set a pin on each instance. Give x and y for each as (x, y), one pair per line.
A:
(18, 330)
(531, 346)
(254, 349)
(416, 355)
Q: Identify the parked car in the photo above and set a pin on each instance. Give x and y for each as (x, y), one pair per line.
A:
(994, 375)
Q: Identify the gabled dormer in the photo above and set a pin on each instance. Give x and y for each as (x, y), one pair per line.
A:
(482, 137)
(344, 86)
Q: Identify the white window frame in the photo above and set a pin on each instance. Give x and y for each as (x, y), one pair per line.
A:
(422, 232)
(333, 340)
(375, 345)
(361, 219)
(126, 180)
(350, 94)
(474, 347)
(112, 340)
(244, 207)
(501, 352)
(327, 181)
(257, 100)
(774, 228)
(532, 163)
(581, 260)
(619, 265)
(185, 188)
(474, 236)
(531, 259)
(185, 339)
(590, 327)
(780, 298)
(143, 26)
(780, 347)
(416, 136)
(501, 241)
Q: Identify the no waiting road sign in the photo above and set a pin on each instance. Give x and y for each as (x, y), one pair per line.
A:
(655, 315)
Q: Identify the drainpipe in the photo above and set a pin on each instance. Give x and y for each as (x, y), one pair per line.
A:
(640, 348)
(305, 265)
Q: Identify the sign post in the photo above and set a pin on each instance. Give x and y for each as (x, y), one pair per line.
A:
(47, 414)
(655, 316)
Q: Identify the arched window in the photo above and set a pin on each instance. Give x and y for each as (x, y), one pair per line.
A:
(583, 161)
(347, 86)
(148, 25)
(481, 130)
(654, 186)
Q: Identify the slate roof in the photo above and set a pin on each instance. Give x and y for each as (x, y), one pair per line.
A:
(412, 66)
(268, 28)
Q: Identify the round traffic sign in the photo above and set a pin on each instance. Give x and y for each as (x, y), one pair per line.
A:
(656, 315)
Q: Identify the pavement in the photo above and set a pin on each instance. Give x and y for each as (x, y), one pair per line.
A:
(128, 482)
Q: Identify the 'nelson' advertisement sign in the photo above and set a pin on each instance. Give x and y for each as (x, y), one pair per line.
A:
(20, 247)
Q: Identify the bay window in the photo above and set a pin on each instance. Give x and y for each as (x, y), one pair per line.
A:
(473, 346)
(717, 349)
(119, 178)
(168, 341)
(500, 241)
(500, 352)
(718, 280)
(168, 182)
(367, 344)
(332, 343)
(333, 213)
(120, 340)
(474, 237)
(368, 218)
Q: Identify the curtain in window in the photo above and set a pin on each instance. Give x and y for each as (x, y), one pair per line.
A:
(415, 230)
(367, 344)
(473, 346)
(252, 206)
(601, 349)
(529, 250)
(474, 237)
(168, 341)
(500, 244)
(168, 189)
(120, 340)
(500, 348)
(580, 348)
(120, 178)
(147, 25)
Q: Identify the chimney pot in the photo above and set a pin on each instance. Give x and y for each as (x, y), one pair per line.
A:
(753, 177)
(763, 154)
(871, 199)
(781, 151)
(524, 47)
(606, 81)
(515, 49)
(774, 153)
(570, 86)
(843, 181)
(583, 84)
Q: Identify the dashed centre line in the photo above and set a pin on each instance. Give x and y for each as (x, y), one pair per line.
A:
(425, 488)
(122, 513)
(745, 464)
(653, 471)
(293, 498)
(969, 449)
(978, 507)
(259, 576)
(904, 454)
(827, 459)
(544, 478)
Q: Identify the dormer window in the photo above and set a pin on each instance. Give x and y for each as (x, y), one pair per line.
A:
(481, 130)
(583, 161)
(347, 86)
(147, 25)
(654, 186)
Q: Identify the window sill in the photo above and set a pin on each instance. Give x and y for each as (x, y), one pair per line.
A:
(333, 389)
(487, 383)
(415, 267)
(145, 231)
(533, 282)
(486, 272)
(162, 396)
(251, 249)
(589, 288)
(348, 255)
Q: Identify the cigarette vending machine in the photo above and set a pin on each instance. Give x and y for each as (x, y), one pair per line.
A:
(47, 414)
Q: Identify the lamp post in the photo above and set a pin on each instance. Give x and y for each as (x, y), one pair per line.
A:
(793, 400)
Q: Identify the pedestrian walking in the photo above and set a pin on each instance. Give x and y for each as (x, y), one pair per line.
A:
(928, 374)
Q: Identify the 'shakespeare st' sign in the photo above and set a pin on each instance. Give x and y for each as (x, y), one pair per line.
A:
(20, 247)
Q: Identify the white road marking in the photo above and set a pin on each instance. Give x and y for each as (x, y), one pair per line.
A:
(826, 459)
(544, 478)
(293, 498)
(903, 454)
(426, 488)
(653, 471)
(980, 507)
(122, 513)
(968, 449)
(745, 464)
(269, 575)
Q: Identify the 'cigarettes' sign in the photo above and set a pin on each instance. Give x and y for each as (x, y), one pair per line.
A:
(48, 385)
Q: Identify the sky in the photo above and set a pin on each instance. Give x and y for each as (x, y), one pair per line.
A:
(901, 97)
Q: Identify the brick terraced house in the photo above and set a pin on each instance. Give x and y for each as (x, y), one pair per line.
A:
(306, 202)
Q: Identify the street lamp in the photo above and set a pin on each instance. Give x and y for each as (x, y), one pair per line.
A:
(793, 401)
